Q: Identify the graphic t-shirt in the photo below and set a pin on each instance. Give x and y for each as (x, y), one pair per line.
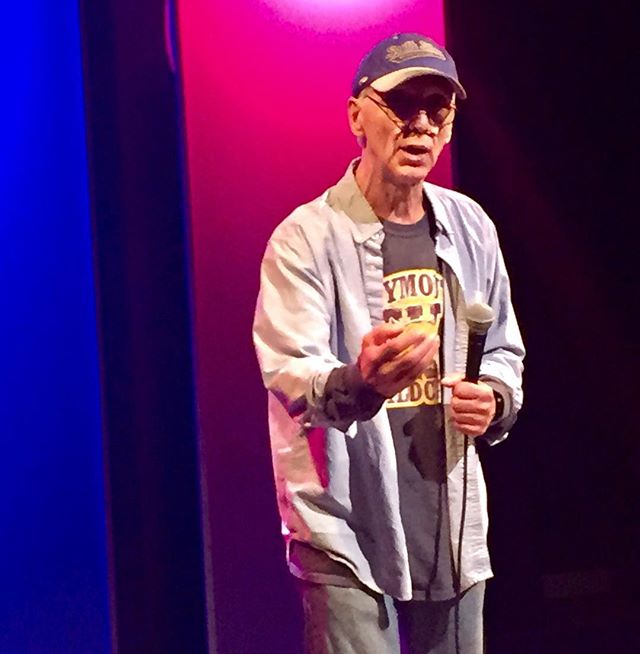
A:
(414, 293)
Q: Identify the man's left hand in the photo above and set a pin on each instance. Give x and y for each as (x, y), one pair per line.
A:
(472, 405)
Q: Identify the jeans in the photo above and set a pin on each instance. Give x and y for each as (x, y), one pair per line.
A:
(339, 620)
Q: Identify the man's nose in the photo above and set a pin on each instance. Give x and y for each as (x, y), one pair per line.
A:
(421, 123)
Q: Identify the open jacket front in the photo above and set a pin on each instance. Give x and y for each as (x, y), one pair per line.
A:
(321, 292)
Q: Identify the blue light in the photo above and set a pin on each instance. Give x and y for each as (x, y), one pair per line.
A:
(53, 543)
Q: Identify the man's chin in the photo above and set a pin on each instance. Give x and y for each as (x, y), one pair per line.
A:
(411, 174)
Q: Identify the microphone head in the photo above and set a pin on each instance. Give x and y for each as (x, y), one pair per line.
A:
(480, 317)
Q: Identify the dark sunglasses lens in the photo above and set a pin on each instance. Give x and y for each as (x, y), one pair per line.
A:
(402, 105)
(406, 106)
(438, 108)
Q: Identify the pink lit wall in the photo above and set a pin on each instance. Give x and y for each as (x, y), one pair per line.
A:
(265, 90)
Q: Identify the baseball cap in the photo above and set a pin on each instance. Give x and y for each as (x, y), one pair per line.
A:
(401, 57)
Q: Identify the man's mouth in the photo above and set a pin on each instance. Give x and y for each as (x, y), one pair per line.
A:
(416, 150)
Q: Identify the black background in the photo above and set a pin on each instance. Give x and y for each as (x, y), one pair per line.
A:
(545, 143)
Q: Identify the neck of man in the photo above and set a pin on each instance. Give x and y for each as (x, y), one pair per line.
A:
(398, 203)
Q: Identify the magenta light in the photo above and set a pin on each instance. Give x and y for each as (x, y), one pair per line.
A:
(340, 15)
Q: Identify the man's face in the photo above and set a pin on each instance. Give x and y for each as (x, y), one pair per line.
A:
(404, 130)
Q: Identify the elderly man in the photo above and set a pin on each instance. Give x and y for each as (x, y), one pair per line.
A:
(361, 332)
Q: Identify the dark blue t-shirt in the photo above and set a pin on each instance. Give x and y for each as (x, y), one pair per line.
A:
(414, 292)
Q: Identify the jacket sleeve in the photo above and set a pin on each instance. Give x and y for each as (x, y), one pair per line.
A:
(292, 336)
(502, 361)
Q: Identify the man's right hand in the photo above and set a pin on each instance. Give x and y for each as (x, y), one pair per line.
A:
(392, 357)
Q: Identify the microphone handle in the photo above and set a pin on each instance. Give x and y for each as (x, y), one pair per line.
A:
(474, 355)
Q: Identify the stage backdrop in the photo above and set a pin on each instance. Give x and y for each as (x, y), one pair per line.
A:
(265, 88)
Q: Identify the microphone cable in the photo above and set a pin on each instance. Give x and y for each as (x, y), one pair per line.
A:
(458, 575)
(480, 317)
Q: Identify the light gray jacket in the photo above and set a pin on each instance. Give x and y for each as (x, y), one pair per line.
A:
(321, 292)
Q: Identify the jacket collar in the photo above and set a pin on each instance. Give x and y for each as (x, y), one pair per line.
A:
(347, 198)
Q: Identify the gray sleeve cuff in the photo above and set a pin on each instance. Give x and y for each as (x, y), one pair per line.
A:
(505, 416)
(347, 397)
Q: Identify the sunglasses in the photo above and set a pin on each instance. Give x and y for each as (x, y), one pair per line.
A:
(405, 106)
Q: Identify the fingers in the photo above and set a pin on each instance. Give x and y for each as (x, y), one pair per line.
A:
(399, 361)
(382, 333)
(471, 426)
(472, 407)
(377, 347)
(464, 390)
(404, 370)
(408, 355)
(476, 405)
(406, 339)
(419, 356)
(452, 379)
(385, 333)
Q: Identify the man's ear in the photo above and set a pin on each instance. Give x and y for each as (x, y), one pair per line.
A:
(354, 113)
(449, 128)
(448, 132)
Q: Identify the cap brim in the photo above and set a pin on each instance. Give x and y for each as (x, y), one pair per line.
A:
(391, 80)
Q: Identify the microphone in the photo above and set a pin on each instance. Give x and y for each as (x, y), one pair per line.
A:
(480, 317)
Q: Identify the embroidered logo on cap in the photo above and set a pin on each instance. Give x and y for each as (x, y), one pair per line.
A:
(413, 50)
